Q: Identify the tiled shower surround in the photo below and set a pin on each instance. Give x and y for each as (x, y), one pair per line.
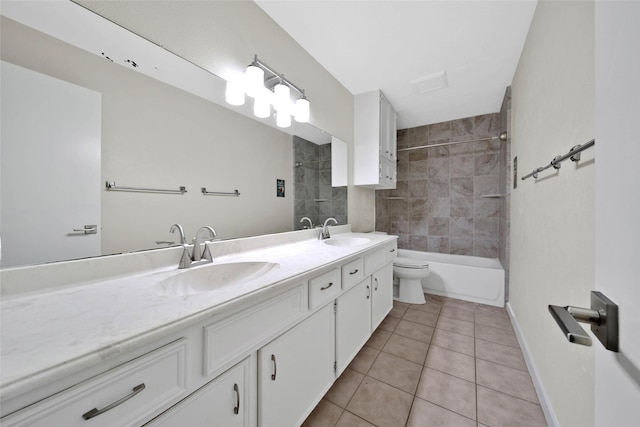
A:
(314, 196)
(447, 198)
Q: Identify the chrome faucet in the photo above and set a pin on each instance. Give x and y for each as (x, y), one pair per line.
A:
(324, 233)
(178, 227)
(306, 218)
(198, 256)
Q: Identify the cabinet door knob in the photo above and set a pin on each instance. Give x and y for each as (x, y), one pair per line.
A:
(236, 409)
(368, 291)
(354, 272)
(376, 280)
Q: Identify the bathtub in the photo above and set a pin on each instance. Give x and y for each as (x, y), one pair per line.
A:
(463, 277)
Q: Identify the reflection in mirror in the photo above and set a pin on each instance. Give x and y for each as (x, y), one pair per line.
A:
(157, 135)
(315, 198)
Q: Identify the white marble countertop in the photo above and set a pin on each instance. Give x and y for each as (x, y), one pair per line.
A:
(63, 330)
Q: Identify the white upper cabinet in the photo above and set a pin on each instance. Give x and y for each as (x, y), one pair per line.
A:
(375, 141)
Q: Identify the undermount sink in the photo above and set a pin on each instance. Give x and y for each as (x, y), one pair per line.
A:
(210, 277)
(347, 241)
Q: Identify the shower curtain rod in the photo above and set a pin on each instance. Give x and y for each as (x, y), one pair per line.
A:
(502, 137)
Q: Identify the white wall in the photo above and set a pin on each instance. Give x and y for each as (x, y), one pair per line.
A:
(552, 219)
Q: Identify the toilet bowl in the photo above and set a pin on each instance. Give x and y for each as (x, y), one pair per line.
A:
(410, 273)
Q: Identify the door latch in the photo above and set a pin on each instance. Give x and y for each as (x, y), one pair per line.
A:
(603, 317)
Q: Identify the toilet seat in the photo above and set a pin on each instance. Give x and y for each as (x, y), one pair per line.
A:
(410, 263)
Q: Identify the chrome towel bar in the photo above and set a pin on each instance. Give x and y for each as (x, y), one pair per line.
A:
(573, 154)
(219, 193)
(111, 186)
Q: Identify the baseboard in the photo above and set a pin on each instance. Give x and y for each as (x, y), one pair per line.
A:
(549, 415)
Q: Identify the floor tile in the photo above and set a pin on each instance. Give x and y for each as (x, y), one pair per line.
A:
(497, 335)
(389, 323)
(397, 311)
(457, 313)
(407, 348)
(396, 371)
(381, 404)
(325, 414)
(378, 339)
(454, 325)
(364, 359)
(452, 341)
(349, 420)
(507, 380)
(501, 354)
(494, 320)
(414, 331)
(429, 306)
(450, 392)
(452, 362)
(422, 317)
(344, 387)
(426, 414)
(489, 309)
(496, 409)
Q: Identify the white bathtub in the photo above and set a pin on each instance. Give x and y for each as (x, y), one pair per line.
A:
(463, 277)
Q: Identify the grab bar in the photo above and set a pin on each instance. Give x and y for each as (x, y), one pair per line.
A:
(573, 154)
(111, 186)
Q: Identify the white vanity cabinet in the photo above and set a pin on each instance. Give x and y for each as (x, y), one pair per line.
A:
(375, 141)
(353, 323)
(295, 370)
(226, 401)
(381, 295)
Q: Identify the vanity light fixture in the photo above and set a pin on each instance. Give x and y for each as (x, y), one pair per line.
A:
(268, 88)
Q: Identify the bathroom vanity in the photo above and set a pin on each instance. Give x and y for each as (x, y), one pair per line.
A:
(255, 338)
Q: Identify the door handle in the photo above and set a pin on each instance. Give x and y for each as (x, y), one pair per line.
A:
(88, 229)
(603, 317)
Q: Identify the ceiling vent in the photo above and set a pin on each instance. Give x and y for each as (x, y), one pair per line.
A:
(430, 83)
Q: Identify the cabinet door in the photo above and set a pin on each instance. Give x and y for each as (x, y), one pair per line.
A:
(353, 322)
(387, 130)
(225, 401)
(387, 174)
(295, 370)
(382, 299)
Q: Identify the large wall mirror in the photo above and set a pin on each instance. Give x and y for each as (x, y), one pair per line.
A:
(160, 127)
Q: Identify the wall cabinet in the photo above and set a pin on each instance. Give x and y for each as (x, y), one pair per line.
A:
(295, 370)
(375, 141)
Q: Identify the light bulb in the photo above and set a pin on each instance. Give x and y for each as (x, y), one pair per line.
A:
(262, 104)
(302, 110)
(254, 80)
(234, 93)
(283, 119)
(281, 97)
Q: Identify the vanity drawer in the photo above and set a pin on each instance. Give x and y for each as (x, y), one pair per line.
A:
(352, 273)
(135, 391)
(375, 261)
(324, 288)
(229, 339)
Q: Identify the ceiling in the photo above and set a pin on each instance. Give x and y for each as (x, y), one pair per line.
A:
(369, 45)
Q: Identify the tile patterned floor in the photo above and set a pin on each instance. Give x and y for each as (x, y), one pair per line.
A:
(445, 363)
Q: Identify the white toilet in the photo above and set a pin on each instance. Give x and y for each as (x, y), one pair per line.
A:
(410, 273)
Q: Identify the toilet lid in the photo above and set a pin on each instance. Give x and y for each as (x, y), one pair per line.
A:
(410, 263)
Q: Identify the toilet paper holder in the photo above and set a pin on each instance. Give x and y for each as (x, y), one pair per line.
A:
(603, 317)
